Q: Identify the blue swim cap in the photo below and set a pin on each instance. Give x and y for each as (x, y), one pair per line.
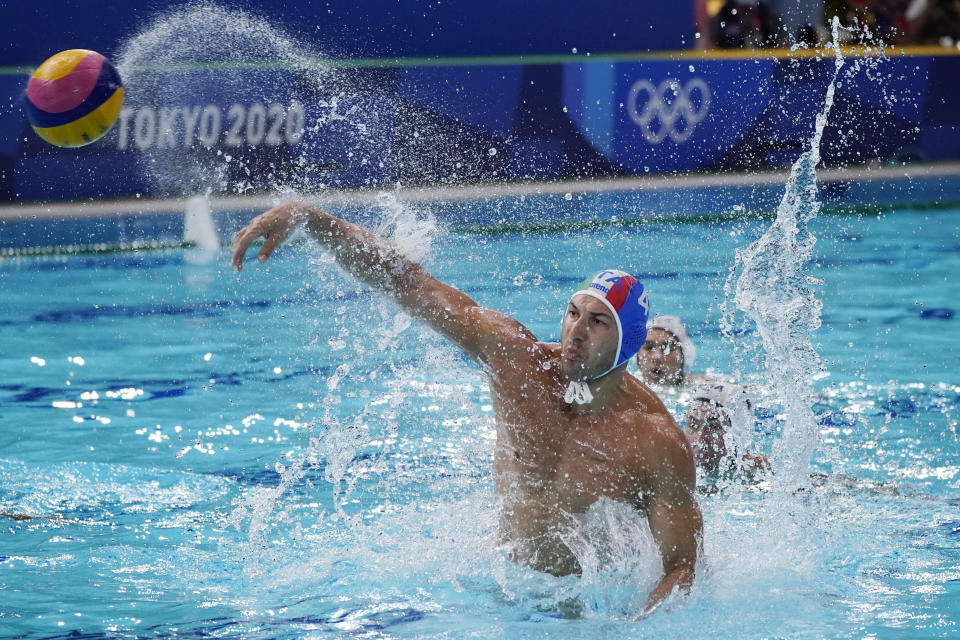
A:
(627, 300)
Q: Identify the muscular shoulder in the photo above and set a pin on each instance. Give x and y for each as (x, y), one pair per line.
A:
(658, 433)
(661, 444)
(645, 406)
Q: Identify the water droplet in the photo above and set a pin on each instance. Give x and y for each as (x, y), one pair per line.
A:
(492, 151)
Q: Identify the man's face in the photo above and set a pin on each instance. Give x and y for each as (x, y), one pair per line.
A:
(589, 338)
(706, 424)
(661, 359)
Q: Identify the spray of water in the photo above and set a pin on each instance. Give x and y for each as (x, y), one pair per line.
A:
(169, 62)
(205, 32)
(335, 439)
(767, 535)
(240, 131)
(775, 294)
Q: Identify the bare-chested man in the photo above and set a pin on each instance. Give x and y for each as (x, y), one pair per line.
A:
(572, 425)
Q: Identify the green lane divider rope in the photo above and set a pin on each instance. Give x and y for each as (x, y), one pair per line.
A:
(551, 227)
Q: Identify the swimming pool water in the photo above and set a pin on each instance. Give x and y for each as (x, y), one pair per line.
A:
(281, 454)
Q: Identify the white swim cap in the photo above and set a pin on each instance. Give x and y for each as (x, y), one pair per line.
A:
(674, 325)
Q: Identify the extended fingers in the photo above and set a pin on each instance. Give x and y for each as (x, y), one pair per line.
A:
(271, 242)
(274, 227)
(273, 230)
(241, 242)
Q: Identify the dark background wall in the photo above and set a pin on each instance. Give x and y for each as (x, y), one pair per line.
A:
(371, 28)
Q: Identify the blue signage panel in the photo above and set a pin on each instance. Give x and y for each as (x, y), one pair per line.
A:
(237, 131)
(220, 131)
(666, 115)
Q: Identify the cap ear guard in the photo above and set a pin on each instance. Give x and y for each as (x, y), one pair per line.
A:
(633, 325)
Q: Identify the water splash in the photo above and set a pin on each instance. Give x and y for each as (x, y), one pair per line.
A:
(412, 231)
(336, 438)
(778, 297)
(198, 226)
(206, 32)
(332, 447)
(189, 147)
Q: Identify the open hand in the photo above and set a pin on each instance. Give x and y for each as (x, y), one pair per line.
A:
(274, 226)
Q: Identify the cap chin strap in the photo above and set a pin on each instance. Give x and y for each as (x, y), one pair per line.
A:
(578, 392)
(614, 366)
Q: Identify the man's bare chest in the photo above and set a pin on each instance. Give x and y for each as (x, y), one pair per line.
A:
(590, 468)
(572, 463)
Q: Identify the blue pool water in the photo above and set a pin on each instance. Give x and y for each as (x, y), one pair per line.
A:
(281, 454)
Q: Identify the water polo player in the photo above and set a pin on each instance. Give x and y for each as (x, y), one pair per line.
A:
(667, 354)
(572, 425)
(664, 361)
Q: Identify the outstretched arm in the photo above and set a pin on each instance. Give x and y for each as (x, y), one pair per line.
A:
(482, 333)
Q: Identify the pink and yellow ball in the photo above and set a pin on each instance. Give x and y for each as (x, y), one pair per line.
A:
(74, 97)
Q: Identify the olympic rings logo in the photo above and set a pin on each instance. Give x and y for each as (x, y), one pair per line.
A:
(670, 109)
